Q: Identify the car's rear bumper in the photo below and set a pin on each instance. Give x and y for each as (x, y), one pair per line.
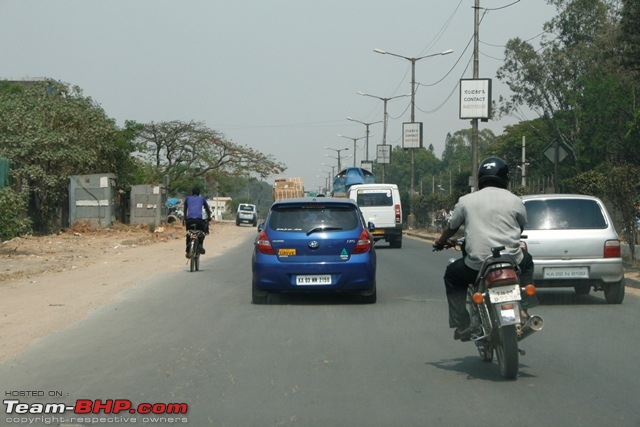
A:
(608, 270)
(358, 274)
(387, 233)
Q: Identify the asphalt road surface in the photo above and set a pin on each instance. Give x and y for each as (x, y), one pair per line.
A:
(196, 339)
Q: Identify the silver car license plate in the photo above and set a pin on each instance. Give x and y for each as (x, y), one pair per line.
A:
(566, 273)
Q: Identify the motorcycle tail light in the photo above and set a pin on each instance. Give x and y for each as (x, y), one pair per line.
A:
(500, 276)
(478, 298)
(530, 290)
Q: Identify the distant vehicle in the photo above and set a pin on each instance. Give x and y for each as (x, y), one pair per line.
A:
(247, 213)
(573, 243)
(287, 188)
(314, 245)
(348, 177)
(380, 204)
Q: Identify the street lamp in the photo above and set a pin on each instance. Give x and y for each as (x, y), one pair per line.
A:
(413, 108)
(384, 118)
(337, 151)
(354, 146)
(366, 150)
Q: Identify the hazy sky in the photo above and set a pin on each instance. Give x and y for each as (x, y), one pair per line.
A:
(277, 75)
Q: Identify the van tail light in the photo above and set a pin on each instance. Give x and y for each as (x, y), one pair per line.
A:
(364, 243)
(398, 216)
(264, 245)
(612, 249)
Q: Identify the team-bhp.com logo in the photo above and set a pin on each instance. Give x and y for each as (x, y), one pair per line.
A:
(97, 406)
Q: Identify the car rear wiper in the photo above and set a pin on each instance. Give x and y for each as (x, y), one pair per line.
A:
(323, 228)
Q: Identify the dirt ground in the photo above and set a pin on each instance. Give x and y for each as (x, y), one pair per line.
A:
(49, 283)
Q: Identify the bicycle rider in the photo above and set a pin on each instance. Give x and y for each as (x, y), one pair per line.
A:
(193, 212)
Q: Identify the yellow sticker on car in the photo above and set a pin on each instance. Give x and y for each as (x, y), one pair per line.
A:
(286, 252)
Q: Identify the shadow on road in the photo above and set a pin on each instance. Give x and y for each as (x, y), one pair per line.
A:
(476, 369)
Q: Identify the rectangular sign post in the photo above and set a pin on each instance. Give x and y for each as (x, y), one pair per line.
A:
(475, 99)
(412, 135)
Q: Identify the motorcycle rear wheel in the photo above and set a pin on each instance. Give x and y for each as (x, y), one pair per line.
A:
(507, 352)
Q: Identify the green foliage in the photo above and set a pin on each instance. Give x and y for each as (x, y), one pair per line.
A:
(50, 131)
(426, 207)
(12, 209)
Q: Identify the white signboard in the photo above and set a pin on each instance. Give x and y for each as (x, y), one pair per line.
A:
(383, 153)
(475, 98)
(412, 135)
(367, 165)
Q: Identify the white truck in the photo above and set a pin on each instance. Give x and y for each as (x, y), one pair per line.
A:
(380, 204)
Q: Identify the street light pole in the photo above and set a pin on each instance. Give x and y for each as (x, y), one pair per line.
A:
(338, 151)
(413, 109)
(384, 118)
(366, 152)
(354, 146)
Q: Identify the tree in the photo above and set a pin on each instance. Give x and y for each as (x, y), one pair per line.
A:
(189, 153)
(578, 43)
(50, 131)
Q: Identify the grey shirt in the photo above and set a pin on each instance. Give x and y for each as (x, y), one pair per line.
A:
(491, 217)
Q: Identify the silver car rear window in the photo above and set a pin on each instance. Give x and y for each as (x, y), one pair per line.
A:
(564, 214)
(303, 218)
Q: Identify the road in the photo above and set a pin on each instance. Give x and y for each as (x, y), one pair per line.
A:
(195, 338)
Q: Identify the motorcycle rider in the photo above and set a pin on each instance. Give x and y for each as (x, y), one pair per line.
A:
(492, 216)
(193, 206)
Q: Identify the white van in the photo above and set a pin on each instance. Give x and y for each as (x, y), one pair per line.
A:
(380, 204)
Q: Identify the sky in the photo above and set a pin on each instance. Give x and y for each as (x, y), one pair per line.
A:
(280, 76)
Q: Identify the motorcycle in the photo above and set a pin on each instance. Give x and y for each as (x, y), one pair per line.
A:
(494, 304)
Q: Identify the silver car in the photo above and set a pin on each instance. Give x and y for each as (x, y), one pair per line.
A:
(573, 243)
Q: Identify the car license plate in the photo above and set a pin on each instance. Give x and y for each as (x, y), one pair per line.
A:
(566, 273)
(377, 232)
(286, 252)
(504, 293)
(318, 279)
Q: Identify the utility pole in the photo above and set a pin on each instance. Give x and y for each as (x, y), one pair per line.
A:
(474, 122)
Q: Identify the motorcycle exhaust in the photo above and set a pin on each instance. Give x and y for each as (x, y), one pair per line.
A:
(534, 324)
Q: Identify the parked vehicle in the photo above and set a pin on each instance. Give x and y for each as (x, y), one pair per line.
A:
(574, 243)
(247, 213)
(318, 244)
(380, 204)
(493, 302)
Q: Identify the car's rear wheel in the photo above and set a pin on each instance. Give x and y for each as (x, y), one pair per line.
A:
(257, 296)
(614, 292)
(369, 297)
(582, 289)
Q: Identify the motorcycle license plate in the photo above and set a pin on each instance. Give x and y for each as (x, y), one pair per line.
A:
(313, 280)
(504, 293)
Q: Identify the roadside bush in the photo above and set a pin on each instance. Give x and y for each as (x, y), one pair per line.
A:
(13, 208)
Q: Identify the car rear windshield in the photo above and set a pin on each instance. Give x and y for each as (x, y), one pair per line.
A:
(305, 218)
(374, 198)
(246, 208)
(562, 214)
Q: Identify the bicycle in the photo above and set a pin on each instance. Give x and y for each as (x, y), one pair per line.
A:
(194, 247)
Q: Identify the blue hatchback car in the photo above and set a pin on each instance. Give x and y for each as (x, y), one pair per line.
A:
(319, 244)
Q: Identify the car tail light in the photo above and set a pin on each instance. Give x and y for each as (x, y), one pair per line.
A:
(398, 217)
(612, 249)
(264, 245)
(364, 243)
